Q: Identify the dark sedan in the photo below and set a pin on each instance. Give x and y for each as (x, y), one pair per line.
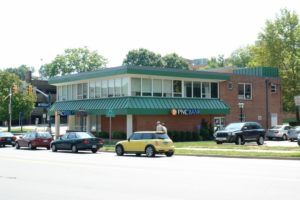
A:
(32, 140)
(76, 141)
(7, 139)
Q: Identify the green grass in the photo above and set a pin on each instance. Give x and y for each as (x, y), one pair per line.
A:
(247, 146)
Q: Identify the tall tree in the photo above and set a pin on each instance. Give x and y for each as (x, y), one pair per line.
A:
(21, 101)
(279, 46)
(241, 57)
(143, 57)
(214, 62)
(73, 60)
(175, 61)
(20, 71)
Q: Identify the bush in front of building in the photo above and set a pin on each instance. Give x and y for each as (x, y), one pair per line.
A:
(103, 134)
(119, 135)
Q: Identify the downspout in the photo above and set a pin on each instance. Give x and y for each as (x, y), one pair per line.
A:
(267, 104)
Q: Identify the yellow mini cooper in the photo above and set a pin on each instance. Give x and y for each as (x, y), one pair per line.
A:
(146, 142)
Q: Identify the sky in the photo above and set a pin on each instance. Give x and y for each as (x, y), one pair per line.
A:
(33, 32)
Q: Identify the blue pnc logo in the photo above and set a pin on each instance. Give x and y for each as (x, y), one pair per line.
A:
(185, 111)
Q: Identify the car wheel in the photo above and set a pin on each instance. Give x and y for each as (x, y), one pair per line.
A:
(169, 154)
(94, 150)
(17, 146)
(284, 137)
(74, 149)
(119, 150)
(239, 140)
(219, 142)
(150, 152)
(260, 140)
(30, 146)
(53, 148)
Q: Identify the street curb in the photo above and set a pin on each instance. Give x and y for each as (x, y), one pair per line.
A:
(220, 156)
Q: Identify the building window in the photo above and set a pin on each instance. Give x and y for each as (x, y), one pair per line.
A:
(69, 92)
(136, 87)
(187, 89)
(147, 87)
(197, 89)
(177, 88)
(59, 92)
(245, 91)
(111, 87)
(104, 88)
(124, 86)
(98, 89)
(167, 88)
(214, 90)
(64, 93)
(157, 87)
(74, 92)
(273, 88)
(82, 91)
(230, 85)
(118, 87)
(205, 90)
(92, 90)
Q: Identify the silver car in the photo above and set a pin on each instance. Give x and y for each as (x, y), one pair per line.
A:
(278, 131)
(293, 133)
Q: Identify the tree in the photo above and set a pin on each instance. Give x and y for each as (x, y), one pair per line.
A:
(20, 71)
(21, 101)
(214, 62)
(143, 57)
(175, 61)
(279, 46)
(241, 57)
(72, 61)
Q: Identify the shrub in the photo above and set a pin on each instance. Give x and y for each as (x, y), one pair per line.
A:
(104, 135)
(119, 135)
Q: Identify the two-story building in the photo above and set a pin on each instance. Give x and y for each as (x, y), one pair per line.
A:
(134, 98)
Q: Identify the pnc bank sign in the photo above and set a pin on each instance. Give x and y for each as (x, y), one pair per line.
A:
(175, 111)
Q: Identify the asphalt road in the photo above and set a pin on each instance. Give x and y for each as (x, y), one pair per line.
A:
(44, 175)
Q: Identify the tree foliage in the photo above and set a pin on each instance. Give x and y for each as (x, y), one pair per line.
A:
(241, 57)
(72, 61)
(279, 46)
(214, 62)
(20, 71)
(21, 101)
(146, 58)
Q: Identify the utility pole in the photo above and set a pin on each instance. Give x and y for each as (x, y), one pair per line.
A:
(9, 110)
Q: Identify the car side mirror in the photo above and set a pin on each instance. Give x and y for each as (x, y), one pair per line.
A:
(128, 139)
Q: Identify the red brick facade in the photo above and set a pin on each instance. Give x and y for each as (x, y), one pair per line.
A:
(262, 103)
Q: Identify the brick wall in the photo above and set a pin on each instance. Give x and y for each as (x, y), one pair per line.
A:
(257, 105)
(118, 123)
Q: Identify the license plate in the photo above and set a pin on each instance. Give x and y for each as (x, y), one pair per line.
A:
(94, 146)
(221, 139)
(8, 139)
(45, 140)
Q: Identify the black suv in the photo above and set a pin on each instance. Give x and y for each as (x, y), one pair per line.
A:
(241, 132)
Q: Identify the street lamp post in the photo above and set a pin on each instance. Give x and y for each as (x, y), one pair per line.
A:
(241, 106)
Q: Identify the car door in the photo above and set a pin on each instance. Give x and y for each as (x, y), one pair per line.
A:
(70, 140)
(134, 143)
(247, 132)
(60, 143)
(21, 141)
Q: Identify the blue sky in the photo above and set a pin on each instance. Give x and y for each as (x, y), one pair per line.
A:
(33, 32)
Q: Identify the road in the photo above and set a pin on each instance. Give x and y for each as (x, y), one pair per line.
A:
(44, 175)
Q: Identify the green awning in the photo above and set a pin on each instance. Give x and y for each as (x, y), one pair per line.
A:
(143, 106)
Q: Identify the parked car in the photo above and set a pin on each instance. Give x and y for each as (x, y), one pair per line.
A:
(76, 141)
(146, 142)
(7, 138)
(293, 133)
(278, 131)
(241, 132)
(32, 140)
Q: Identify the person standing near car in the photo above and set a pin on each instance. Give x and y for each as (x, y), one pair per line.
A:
(159, 126)
(164, 128)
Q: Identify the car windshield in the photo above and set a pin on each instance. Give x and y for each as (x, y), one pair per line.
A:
(84, 135)
(6, 135)
(44, 135)
(234, 126)
(162, 136)
(276, 127)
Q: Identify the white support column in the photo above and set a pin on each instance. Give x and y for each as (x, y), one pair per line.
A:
(129, 125)
(71, 122)
(57, 124)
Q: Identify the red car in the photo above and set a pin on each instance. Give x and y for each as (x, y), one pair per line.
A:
(32, 140)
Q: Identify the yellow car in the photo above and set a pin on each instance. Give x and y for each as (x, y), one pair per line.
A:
(146, 142)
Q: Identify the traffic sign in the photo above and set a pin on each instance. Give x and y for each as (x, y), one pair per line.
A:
(110, 113)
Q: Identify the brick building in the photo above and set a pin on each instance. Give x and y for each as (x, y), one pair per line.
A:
(137, 97)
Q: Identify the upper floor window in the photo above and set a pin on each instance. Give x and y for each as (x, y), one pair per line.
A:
(167, 88)
(98, 89)
(111, 86)
(273, 88)
(125, 86)
(147, 87)
(157, 87)
(136, 87)
(118, 87)
(82, 91)
(104, 88)
(188, 89)
(214, 90)
(206, 90)
(74, 92)
(92, 90)
(245, 91)
(177, 88)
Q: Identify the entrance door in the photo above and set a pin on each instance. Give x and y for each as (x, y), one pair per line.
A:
(274, 119)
